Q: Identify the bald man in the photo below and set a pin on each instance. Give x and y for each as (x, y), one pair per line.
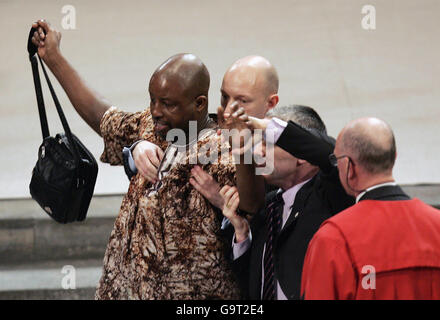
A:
(165, 243)
(251, 83)
(387, 246)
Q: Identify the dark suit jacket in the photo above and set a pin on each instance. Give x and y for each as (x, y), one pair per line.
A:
(318, 200)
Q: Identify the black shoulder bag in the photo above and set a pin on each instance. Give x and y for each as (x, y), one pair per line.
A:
(64, 176)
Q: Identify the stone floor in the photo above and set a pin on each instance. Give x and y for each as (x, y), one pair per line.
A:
(34, 249)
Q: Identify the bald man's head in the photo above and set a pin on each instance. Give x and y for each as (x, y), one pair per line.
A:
(260, 69)
(179, 93)
(188, 70)
(371, 142)
(251, 81)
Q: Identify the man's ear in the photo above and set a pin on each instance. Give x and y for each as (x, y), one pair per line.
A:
(201, 103)
(352, 170)
(272, 101)
(300, 162)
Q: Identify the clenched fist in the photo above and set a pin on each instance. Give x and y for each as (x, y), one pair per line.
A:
(46, 39)
(147, 157)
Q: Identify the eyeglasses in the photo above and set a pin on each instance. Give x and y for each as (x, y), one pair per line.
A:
(334, 159)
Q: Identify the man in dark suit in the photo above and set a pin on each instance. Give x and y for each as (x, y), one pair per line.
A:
(269, 259)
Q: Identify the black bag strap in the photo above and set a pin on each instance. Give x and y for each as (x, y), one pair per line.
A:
(40, 100)
(33, 53)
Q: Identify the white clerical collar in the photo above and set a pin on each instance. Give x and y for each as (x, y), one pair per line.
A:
(360, 195)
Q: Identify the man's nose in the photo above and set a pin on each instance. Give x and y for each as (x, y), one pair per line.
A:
(228, 107)
(156, 110)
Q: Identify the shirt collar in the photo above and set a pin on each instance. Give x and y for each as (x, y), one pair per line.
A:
(360, 195)
(290, 194)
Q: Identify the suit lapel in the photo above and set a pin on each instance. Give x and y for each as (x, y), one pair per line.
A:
(298, 205)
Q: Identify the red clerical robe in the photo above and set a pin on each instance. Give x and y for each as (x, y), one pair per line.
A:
(376, 250)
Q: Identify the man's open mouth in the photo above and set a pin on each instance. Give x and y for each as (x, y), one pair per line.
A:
(160, 126)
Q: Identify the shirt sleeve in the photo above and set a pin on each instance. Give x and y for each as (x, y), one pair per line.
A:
(328, 272)
(238, 249)
(118, 130)
(274, 130)
(131, 163)
(129, 160)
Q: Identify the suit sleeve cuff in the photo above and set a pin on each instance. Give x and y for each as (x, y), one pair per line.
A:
(238, 249)
(129, 161)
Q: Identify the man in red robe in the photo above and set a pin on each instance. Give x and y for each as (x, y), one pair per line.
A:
(386, 246)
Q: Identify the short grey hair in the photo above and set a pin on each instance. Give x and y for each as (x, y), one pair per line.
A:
(305, 116)
(373, 156)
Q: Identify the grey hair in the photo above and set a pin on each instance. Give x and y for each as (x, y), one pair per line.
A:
(305, 116)
(373, 156)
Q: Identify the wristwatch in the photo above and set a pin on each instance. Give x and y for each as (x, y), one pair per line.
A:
(127, 156)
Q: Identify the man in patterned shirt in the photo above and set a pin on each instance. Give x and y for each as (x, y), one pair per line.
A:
(166, 242)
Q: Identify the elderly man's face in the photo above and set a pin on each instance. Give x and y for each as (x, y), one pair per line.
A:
(247, 88)
(170, 105)
(283, 163)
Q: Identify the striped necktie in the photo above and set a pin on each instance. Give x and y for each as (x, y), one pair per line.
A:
(273, 223)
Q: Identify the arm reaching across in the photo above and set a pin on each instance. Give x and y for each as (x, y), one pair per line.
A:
(204, 183)
(250, 186)
(313, 147)
(89, 105)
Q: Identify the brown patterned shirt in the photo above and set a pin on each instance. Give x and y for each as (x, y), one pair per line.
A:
(165, 243)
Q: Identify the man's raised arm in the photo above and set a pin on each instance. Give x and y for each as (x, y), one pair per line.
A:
(250, 186)
(89, 105)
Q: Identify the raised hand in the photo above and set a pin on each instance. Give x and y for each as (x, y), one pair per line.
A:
(89, 104)
(235, 119)
(237, 128)
(46, 39)
(238, 119)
